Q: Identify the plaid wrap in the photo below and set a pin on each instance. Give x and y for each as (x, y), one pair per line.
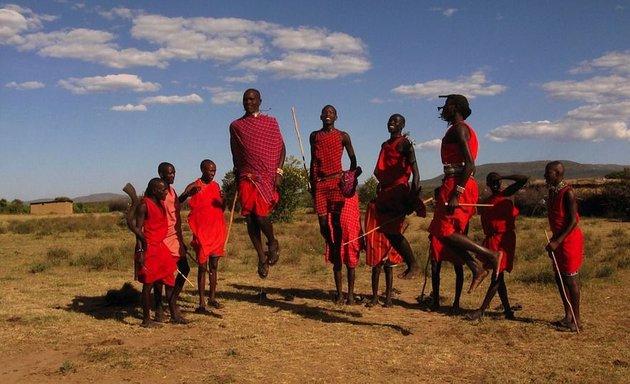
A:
(256, 144)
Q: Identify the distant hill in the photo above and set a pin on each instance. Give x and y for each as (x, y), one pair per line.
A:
(100, 197)
(535, 170)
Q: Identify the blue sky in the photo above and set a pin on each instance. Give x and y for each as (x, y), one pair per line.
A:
(94, 94)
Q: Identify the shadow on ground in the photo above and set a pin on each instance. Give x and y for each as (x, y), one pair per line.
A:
(116, 304)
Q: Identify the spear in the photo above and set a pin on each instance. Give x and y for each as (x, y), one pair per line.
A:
(299, 138)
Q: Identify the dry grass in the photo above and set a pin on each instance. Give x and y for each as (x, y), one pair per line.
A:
(66, 316)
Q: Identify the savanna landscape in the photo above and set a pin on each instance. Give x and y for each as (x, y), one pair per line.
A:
(70, 312)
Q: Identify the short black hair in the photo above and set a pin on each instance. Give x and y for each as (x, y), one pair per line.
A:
(461, 104)
(163, 167)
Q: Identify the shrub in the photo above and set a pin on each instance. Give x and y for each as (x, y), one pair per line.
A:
(367, 191)
(57, 255)
(107, 257)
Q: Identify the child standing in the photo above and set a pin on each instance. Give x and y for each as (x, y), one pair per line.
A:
(206, 221)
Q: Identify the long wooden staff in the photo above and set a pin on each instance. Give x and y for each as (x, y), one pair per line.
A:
(425, 202)
(472, 205)
(299, 138)
(564, 292)
(426, 272)
(131, 221)
(227, 236)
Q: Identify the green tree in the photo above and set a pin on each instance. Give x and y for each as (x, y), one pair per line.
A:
(367, 191)
(292, 189)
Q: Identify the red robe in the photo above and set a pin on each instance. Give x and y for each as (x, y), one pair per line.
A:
(393, 199)
(443, 223)
(377, 247)
(256, 144)
(327, 155)
(350, 230)
(206, 221)
(499, 223)
(569, 254)
(174, 238)
(159, 264)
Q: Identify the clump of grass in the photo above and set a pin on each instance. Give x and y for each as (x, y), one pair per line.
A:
(67, 367)
(604, 271)
(108, 257)
(39, 267)
(538, 275)
(49, 226)
(57, 255)
(232, 352)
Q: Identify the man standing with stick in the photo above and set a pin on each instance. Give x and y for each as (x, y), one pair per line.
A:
(566, 245)
(258, 154)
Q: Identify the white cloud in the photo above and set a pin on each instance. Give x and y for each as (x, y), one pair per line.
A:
(189, 99)
(25, 86)
(129, 108)
(221, 95)
(605, 116)
(109, 83)
(431, 145)
(247, 78)
(617, 62)
(449, 12)
(470, 86)
(260, 46)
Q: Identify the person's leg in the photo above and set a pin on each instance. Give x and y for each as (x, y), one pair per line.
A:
(350, 299)
(464, 244)
(492, 290)
(184, 268)
(201, 283)
(503, 295)
(335, 218)
(213, 264)
(389, 285)
(376, 274)
(254, 232)
(157, 296)
(146, 304)
(567, 311)
(573, 292)
(337, 272)
(266, 226)
(435, 284)
(401, 245)
(459, 286)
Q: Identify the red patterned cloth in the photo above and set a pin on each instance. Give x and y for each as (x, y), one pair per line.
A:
(392, 167)
(570, 253)
(377, 247)
(174, 238)
(350, 230)
(327, 153)
(256, 143)
(252, 201)
(159, 264)
(498, 223)
(206, 221)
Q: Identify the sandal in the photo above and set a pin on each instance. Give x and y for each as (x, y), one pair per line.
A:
(273, 254)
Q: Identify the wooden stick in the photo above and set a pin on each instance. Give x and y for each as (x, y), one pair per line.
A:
(426, 272)
(425, 202)
(185, 278)
(472, 205)
(564, 292)
(227, 237)
(299, 138)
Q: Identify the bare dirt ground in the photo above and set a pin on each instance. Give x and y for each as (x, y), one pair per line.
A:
(57, 326)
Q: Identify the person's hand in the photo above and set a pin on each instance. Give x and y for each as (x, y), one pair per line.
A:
(278, 180)
(453, 202)
(552, 246)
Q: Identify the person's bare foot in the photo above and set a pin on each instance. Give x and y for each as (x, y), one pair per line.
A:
(388, 303)
(478, 278)
(273, 254)
(509, 315)
(214, 303)
(351, 300)
(338, 299)
(411, 272)
(373, 302)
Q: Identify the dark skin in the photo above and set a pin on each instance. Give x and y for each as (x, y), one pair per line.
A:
(493, 181)
(167, 174)
(459, 242)
(554, 174)
(208, 171)
(156, 191)
(328, 118)
(259, 225)
(395, 125)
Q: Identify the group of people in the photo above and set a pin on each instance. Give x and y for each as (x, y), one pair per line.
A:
(258, 154)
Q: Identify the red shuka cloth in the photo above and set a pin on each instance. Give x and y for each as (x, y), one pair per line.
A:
(569, 254)
(450, 152)
(327, 153)
(159, 264)
(256, 144)
(377, 247)
(393, 199)
(350, 230)
(174, 238)
(498, 223)
(206, 221)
